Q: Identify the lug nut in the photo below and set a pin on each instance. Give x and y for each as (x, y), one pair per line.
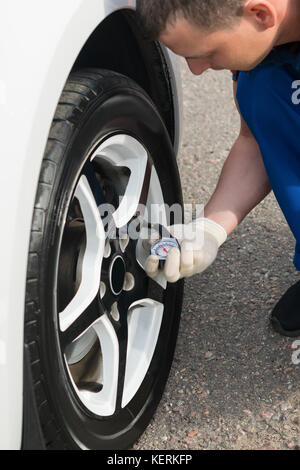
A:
(102, 289)
(107, 249)
(115, 312)
(124, 240)
(129, 282)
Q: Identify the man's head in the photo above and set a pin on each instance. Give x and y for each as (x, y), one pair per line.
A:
(217, 34)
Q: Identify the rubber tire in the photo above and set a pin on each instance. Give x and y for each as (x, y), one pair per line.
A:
(94, 103)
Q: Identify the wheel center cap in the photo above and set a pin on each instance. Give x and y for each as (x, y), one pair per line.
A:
(117, 273)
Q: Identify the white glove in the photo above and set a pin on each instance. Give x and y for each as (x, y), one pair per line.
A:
(199, 241)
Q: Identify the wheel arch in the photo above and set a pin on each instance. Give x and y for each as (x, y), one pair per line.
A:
(118, 44)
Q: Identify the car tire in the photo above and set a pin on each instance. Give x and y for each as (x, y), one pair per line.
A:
(97, 107)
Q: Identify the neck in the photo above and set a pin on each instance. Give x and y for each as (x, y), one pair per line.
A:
(289, 30)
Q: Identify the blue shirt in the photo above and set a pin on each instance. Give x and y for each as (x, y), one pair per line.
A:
(269, 101)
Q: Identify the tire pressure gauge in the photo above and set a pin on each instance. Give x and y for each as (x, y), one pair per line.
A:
(162, 247)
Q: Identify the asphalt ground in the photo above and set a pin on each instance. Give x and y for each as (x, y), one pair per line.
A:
(234, 383)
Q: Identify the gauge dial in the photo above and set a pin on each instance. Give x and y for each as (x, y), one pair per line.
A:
(163, 246)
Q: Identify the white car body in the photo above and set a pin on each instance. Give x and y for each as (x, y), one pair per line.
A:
(39, 43)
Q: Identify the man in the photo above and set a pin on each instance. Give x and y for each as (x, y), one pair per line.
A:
(258, 39)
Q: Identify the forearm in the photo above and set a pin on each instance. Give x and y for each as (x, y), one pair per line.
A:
(242, 185)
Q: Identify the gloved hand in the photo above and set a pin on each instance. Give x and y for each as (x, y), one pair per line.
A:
(199, 242)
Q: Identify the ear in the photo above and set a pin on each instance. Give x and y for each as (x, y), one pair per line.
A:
(262, 12)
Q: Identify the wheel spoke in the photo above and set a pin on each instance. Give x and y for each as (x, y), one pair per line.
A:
(87, 318)
(144, 322)
(125, 151)
(92, 259)
(103, 403)
(122, 334)
(157, 212)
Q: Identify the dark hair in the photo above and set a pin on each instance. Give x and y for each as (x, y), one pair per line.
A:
(154, 15)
